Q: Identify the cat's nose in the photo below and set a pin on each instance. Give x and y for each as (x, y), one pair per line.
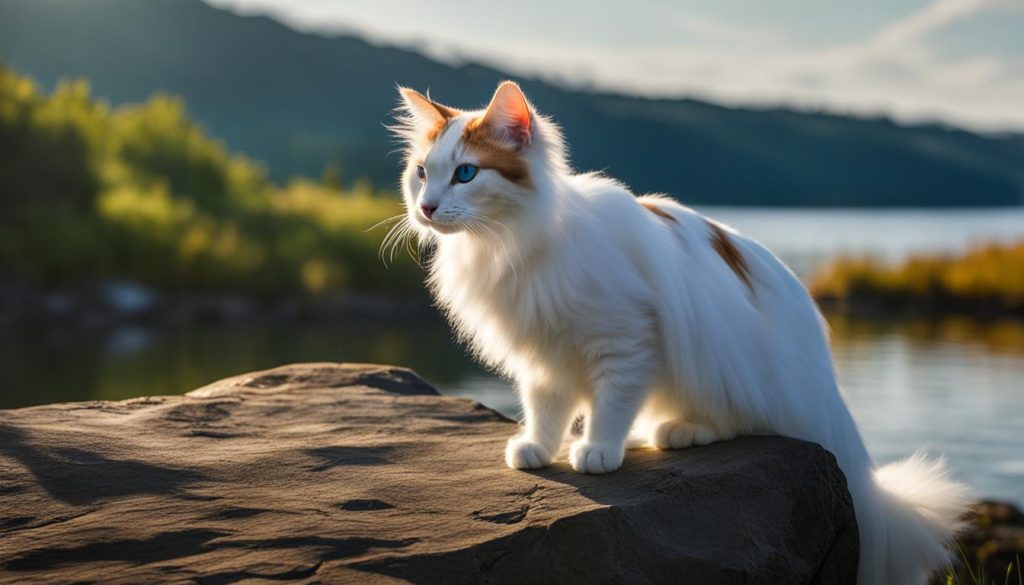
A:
(428, 209)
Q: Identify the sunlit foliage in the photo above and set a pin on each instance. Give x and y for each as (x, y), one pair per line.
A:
(987, 278)
(140, 192)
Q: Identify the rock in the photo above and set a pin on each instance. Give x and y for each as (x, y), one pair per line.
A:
(356, 473)
(991, 544)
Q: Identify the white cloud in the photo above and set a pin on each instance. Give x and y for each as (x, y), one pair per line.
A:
(712, 32)
(935, 16)
(894, 71)
(898, 69)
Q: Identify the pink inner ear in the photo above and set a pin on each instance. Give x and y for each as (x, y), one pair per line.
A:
(508, 116)
(520, 127)
(511, 121)
(518, 130)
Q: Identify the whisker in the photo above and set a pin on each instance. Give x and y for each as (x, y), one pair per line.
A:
(394, 235)
(414, 252)
(384, 243)
(395, 242)
(398, 217)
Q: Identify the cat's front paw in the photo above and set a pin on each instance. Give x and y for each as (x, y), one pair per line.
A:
(522, 453)
(595, 458)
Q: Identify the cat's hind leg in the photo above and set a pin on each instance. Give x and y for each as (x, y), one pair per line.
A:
(674, 423)
(680, 434)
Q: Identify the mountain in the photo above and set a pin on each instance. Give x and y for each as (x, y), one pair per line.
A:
(301, 102)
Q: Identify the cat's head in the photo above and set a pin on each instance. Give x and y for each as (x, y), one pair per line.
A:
(467, 170)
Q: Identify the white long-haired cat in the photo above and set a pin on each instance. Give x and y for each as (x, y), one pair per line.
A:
(641, 314)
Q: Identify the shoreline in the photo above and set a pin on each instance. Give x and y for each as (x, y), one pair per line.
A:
(892, 307)
(109, 304)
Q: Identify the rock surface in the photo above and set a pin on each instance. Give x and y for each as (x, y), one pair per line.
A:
(354, 473)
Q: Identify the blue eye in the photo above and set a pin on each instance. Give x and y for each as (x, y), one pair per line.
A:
(465, 173)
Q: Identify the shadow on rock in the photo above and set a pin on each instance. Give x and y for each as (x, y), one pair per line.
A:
(166, 546)
(77, 476)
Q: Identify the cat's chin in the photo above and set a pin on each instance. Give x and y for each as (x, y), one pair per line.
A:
(440, 227)
(445, 228)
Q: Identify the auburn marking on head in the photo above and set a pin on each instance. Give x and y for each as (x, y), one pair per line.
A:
(653, 208)
(446, 116)
(425, 112)
(727, 249)
(436, 130)
(492, 154)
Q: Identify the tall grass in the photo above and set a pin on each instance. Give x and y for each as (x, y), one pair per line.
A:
(990, 548)
(966, 572)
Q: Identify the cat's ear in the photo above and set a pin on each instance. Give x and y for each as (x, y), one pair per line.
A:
(509, 116)
(423, 110)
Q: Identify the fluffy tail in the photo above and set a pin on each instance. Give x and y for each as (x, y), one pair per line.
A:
(907, 512)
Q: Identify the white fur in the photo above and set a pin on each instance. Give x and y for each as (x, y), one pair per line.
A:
(594, 304)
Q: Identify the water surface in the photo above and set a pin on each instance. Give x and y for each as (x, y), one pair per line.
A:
(952, 386)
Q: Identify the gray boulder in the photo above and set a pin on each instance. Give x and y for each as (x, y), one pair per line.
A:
(358, 473)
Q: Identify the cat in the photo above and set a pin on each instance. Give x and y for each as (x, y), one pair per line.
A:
(641, 314)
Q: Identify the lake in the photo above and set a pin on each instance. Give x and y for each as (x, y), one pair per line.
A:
(950, 386)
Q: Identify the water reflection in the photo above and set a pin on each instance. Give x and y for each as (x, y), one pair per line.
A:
(58, 365)
(1004, 336)
(953, 386)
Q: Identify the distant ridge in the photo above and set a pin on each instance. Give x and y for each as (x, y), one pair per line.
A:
(300, 102)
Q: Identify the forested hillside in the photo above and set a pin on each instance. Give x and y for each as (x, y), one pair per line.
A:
(300, 102)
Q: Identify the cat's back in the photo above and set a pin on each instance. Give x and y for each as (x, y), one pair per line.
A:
(604, 212)
(601, 197)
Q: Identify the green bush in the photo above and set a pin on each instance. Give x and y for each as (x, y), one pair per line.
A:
(987, 276)
(140, 192)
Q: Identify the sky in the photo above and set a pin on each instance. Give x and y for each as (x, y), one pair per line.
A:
(956, 61)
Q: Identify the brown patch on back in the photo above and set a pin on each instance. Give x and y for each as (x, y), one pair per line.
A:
(653, 208)
(493, 155)
(727, 249)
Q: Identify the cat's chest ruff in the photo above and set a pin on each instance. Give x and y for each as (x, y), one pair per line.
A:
(511, 302)
(514, 301)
